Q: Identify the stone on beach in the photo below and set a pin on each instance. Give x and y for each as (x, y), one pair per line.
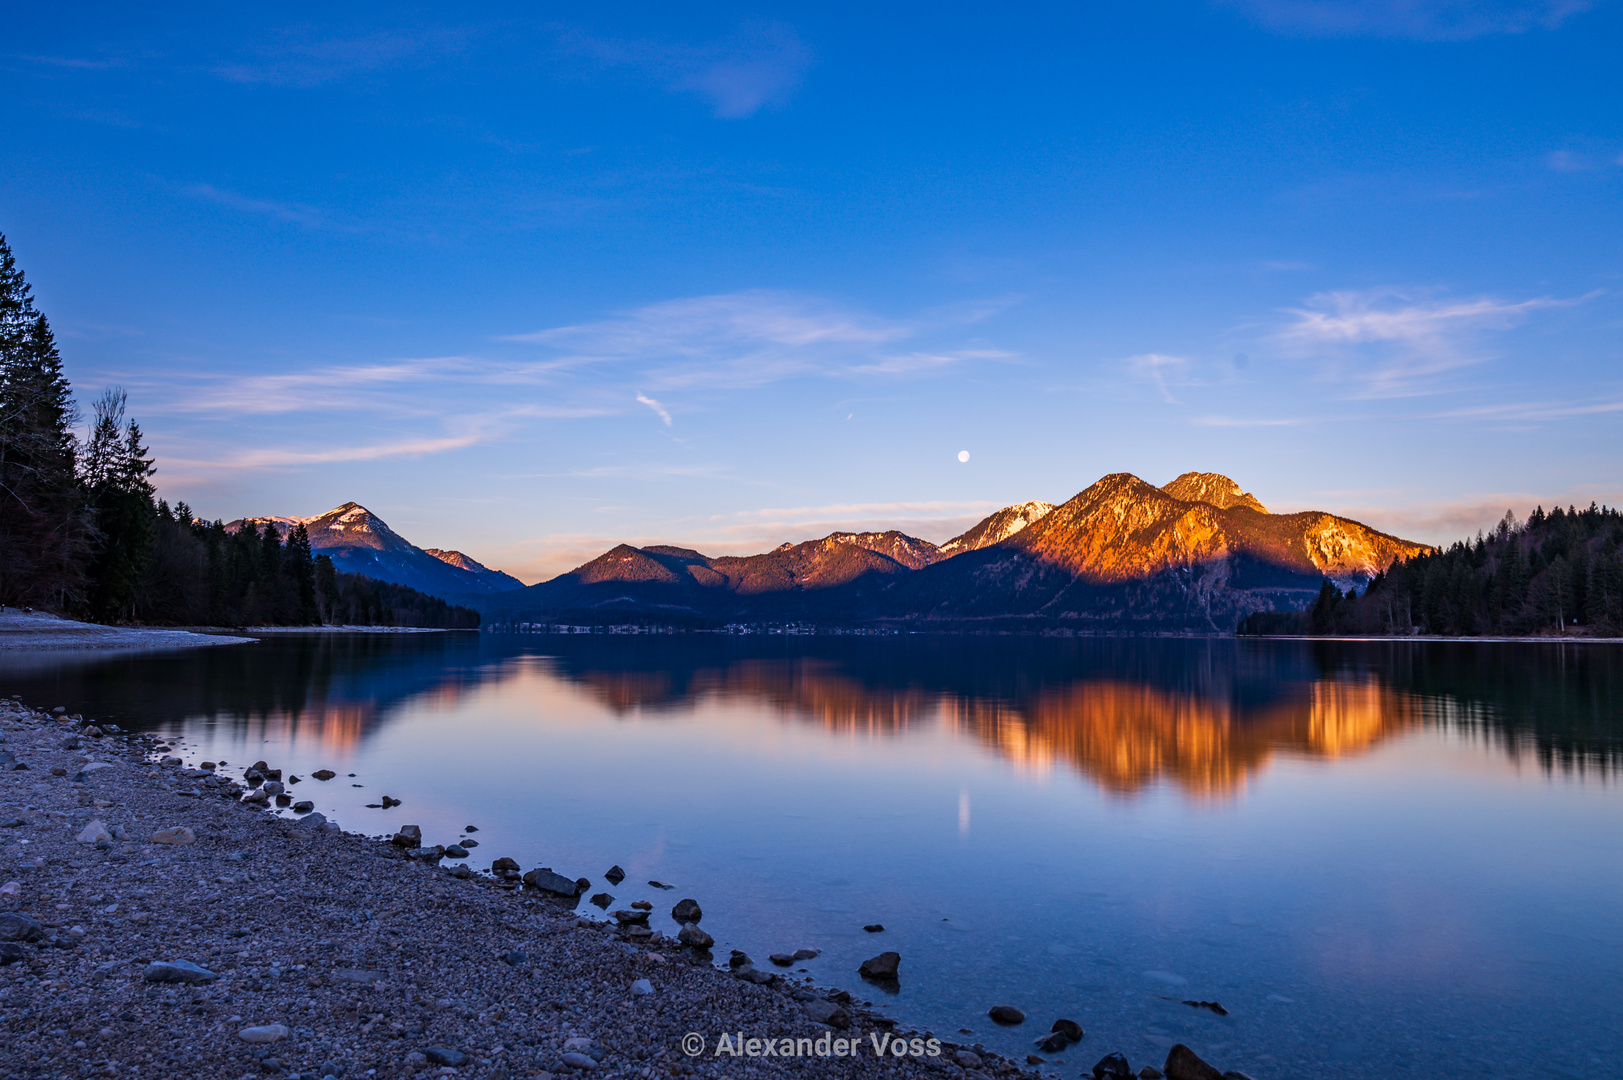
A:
(692, 936)
(826, 1012)
(178, 971)
(267, 1033)
(177, 836)
(94, 833)
(15, 926)
(408, 836)
(444, 1055)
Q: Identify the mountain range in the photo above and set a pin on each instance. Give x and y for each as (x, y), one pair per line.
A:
(1198, 553)
(360, 542)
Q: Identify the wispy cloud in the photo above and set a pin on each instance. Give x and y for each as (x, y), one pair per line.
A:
(1425, 20)
(298, 57)
(659, 409)
(1246, 422)
(1533, 411)
(759, 66)
(1159, 369)
(745, 339)
(1395, 342)
(319, 389)
(283, 211)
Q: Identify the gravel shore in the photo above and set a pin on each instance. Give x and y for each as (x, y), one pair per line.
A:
(33, 631)
(324, 954)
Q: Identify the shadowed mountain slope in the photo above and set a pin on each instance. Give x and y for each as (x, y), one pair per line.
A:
(360, 542)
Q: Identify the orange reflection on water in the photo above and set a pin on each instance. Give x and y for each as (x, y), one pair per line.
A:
(1124, 735)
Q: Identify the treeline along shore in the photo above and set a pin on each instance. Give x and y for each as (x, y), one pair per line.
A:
(83, 533)
(1557, 573)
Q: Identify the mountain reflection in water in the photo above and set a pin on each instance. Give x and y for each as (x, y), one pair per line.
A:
(1205, 715)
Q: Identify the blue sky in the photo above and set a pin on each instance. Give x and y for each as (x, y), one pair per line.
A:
(529, 282)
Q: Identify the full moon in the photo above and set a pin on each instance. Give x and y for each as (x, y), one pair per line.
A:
(963, 455)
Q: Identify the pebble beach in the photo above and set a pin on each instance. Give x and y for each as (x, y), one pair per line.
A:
(159, 920)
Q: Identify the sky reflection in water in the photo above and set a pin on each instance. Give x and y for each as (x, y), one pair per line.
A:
(1383, 860)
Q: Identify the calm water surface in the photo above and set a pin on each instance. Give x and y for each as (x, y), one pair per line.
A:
(1382, 859)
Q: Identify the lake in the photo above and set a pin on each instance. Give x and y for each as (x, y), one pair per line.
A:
(1382, 859)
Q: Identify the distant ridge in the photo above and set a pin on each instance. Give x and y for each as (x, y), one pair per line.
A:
(360, 542)
(1199, 553)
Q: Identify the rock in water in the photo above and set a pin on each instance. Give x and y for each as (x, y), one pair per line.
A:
(1184, 1064)
(1069, 1028)
(408, 836)
(1053, 1043)
(1007, 1015)
(615, 875)
(807, 954)
(323, 774)
(456, 851)
(882, 967)
(603, 900)
(303, 806)
(178, 971)
(443, 1055)
(1113, 1067)
(783, 959)
(738, 959)
(269, 1033)
(556, 884)
(631, 918)
(179, 835)
(874, 928)
(687, 911)
(1150, 1072)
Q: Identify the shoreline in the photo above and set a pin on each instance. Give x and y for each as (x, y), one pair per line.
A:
(327, 953)
(36, 631)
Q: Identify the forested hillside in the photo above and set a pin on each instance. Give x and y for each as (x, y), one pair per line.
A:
(1556, 573)
(82, 532)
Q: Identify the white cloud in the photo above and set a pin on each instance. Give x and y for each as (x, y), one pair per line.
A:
(1159, 369)
(744, 339)
(663, 413)
(761, 65)
(1426, 20)
(297, 213)
(1395, 342)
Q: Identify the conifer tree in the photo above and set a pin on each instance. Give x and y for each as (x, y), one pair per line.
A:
(43, 526)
